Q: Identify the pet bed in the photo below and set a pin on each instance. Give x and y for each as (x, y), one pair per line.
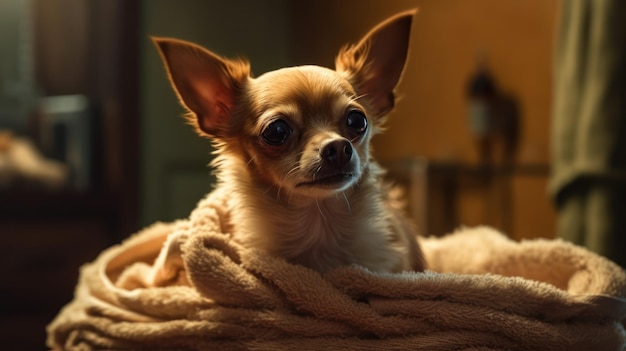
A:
(482, 292)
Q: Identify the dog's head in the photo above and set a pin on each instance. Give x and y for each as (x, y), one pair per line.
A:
(304, 129)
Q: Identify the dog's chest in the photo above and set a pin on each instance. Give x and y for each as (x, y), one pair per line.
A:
(321, 235)
(324, 225)
(331, 233)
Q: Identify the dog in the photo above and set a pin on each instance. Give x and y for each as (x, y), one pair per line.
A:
(292, 150)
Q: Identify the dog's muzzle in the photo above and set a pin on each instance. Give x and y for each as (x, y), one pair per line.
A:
(337, 166)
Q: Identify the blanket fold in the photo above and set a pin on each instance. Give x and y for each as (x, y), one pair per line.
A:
(482, 292)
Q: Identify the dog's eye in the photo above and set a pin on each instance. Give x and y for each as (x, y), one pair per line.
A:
(276, 132)
(357, 121)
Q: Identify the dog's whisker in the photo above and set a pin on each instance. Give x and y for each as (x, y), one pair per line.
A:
(250, 161)
(318, 169)
(347, 202)
(320, 208)
(268, 189)
(290, 195)
(292, 171)
(278, 193)
(358, 97)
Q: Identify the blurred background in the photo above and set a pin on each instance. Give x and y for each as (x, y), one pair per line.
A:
(93, 146)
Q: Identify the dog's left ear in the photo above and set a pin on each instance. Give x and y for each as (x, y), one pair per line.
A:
(206, 84)
(374, 65)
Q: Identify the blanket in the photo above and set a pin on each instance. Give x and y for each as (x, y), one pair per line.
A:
(482, 292)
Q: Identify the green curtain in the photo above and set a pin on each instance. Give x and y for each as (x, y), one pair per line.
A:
(588, 181)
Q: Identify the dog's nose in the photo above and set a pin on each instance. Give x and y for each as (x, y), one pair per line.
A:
(338, 152)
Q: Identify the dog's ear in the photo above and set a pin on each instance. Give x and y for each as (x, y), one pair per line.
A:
(374, 65)
(206, 84)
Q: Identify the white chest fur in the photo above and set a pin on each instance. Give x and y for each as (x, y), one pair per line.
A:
(319, 233)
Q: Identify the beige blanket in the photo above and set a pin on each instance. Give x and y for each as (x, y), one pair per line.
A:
(483, 292)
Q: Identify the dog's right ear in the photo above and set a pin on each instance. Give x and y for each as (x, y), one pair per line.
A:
(375, 65)
(206, 84)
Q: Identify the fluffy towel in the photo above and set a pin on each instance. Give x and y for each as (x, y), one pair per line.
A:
(483, 292)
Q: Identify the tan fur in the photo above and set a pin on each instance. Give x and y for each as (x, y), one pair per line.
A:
(316, 196)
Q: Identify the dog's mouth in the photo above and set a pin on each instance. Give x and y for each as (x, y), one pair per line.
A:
(331, 181)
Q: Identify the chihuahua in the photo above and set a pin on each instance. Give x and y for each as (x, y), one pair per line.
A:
(293, 154)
